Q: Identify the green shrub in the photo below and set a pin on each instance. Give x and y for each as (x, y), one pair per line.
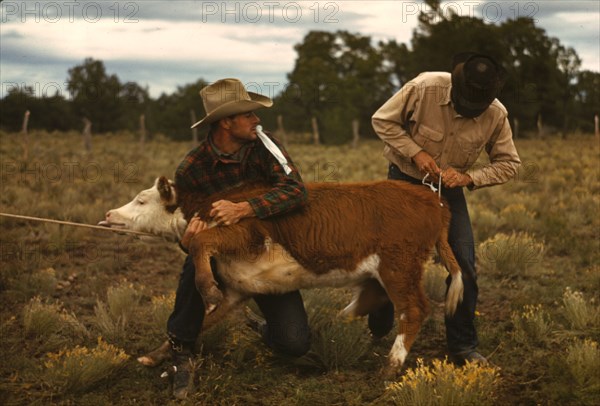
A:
(578, 312)
(517, 218)
(485, 222)
(532, 325)
(80, 368)
(113, 316)
(123, 301)
(161, 309)
(43, 320)
(445, 384)
(336, 342)
(510, 255)
(583, 360)
(42, 282)
(110, 327)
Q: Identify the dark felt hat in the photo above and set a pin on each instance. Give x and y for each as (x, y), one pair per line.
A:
(476, 80)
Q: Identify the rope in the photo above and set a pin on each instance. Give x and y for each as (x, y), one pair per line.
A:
(69, 223)
(433, 188)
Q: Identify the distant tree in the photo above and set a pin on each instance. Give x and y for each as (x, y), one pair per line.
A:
(542, 74)
(47, 112)
(170, 114)
(14, 105)
(135, 101)
(96, 95)
(586, 100)
(337, 78)
(395, 62)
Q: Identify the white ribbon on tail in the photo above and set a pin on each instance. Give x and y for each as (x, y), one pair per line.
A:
(273, 149)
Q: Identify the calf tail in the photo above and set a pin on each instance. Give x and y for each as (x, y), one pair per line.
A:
(455, 292)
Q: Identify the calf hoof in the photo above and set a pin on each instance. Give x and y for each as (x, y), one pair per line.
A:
(212, 297)
(210, 308)
(156, 357)
(390, 373)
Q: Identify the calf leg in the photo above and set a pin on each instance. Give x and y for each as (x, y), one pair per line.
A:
(237, 241)
(222, 311)
(370, 297)
(202, 249)
(161, 353)
(157, 356)
(410, 304)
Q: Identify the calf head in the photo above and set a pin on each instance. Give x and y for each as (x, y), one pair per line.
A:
(152, 211)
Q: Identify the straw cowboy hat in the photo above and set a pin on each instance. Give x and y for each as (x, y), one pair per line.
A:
(227, 97)
(476, 81)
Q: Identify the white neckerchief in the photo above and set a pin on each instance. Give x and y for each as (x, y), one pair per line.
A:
(273, 149)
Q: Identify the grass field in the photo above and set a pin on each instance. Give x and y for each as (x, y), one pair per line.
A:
(79, 305)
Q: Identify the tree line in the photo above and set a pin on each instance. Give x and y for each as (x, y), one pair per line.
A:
(340, 78)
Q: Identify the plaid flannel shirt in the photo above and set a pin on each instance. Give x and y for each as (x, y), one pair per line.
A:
(205, 171)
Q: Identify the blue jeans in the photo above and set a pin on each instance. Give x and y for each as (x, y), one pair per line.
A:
(287, 323)
(461, 336)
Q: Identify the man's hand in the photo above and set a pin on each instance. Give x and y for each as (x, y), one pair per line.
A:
(194, 227)
(426, 164)
(227, 213)
(452, 178)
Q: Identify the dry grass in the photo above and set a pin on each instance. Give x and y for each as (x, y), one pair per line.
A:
(536, 236)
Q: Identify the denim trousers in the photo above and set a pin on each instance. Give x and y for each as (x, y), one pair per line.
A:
(461, 335)
(286, 329)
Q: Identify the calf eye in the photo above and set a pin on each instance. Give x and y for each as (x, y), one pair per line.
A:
(141, 202)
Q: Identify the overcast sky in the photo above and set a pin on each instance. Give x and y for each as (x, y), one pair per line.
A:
(165, 44)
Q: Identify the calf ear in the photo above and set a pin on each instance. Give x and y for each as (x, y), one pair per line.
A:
(165, 190)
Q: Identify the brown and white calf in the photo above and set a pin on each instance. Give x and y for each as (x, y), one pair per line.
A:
(375, 236)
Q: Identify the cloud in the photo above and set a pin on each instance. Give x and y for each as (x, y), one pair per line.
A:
(165, 44)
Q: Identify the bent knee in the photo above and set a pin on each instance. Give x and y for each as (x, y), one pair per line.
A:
(293, 340)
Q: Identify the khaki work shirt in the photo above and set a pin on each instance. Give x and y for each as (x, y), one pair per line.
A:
(420, 117)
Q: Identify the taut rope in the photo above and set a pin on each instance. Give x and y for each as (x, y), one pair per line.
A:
(69, 223)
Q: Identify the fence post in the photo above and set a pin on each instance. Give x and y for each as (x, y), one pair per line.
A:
(596, 125)
(142, 129)
(195, 129)
(540, 126)
(516, 128)
(281, 131)
(315, 128)
(87, 134)
(355, 133)
(25, 132)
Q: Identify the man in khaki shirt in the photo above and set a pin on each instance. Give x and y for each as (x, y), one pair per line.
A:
(437, 125)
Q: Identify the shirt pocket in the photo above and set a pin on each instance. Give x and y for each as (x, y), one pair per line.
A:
(466, 149)
(431, 140)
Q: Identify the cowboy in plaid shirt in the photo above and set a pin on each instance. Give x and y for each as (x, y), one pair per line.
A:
(207, 170)
(233, 154)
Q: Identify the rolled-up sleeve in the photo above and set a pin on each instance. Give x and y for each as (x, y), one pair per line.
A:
(391, 120)
(503, 156)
